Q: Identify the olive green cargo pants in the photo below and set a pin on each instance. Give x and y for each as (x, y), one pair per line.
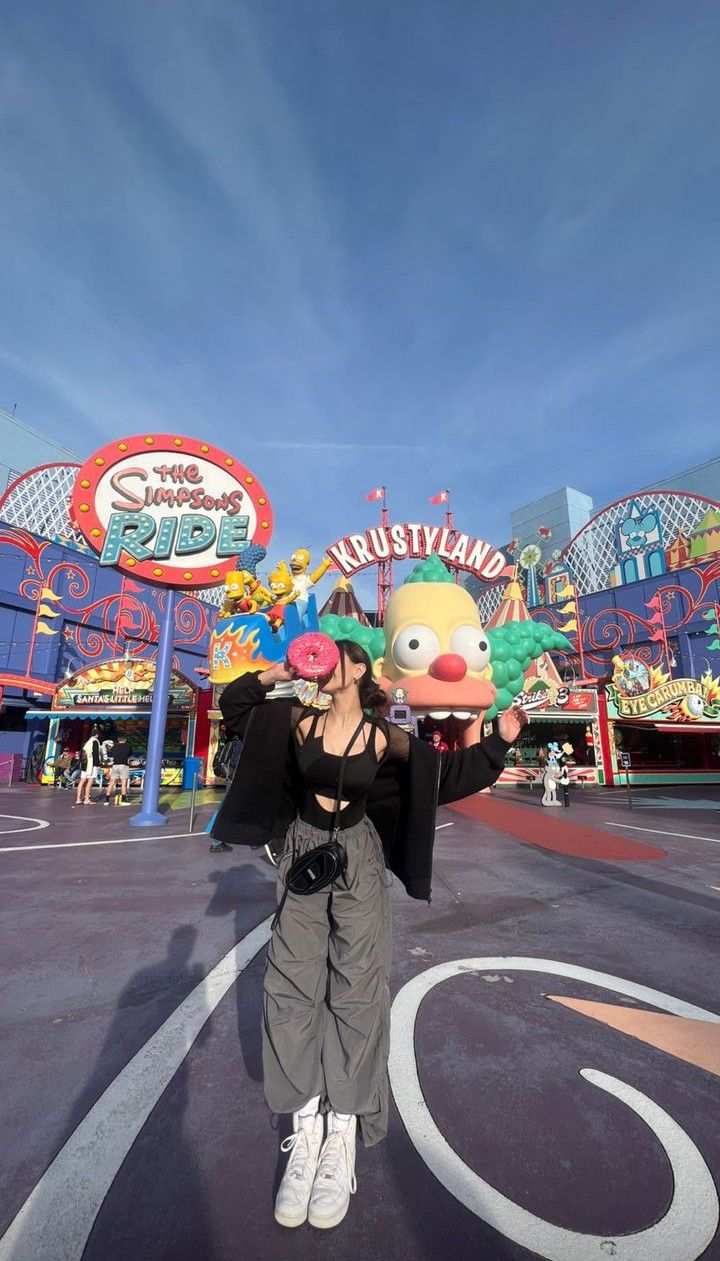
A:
(326, 999)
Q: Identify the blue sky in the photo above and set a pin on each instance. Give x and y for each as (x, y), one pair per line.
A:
(470, 243)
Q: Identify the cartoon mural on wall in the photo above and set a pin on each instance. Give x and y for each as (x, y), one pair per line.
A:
(73, 627)
(640, 548)
(638, 538)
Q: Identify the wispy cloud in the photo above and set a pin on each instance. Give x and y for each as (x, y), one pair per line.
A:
(478, 246)
(351, 447)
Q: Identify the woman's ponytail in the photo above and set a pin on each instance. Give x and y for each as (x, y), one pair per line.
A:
(372, 696)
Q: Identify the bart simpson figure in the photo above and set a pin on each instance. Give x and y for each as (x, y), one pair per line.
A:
(244, 594)
(234, 589)
(283, 592)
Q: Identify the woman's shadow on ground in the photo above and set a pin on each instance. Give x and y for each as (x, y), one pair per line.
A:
(245, 893)
(174, 1216)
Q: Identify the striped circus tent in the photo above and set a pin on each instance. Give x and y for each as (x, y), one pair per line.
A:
(542, 674)
(344, 603)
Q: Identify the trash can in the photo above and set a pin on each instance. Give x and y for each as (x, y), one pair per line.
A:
(191, 766)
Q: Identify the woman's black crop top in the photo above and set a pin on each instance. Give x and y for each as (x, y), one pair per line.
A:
(320, 772)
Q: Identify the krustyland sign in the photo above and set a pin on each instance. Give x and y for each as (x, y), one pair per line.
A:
(174, 511)
(417, 542)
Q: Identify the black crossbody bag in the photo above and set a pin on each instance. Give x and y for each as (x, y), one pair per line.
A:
(322, 865)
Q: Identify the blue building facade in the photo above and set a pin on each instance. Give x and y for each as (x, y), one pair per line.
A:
(61, 612)
(564, 512)
(637, 592)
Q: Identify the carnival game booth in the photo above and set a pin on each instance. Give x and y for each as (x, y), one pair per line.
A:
(572, 720)
(667, 728)
(558, 712)
(117, 698)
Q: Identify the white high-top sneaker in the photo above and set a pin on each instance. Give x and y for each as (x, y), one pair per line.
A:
(291, 1202)
(335, 1176)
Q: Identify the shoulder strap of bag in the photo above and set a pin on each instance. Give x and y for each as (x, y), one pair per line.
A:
(334, 830)
(341, 778)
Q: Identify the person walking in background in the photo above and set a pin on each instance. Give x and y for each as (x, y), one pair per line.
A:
(120, 753)
(564, 782)
(90, 757)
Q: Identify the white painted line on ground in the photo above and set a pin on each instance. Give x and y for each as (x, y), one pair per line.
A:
(125, 840)
(57, 1217)
(686, 836)
(26, 818)
(444, 825)
(689, 1221)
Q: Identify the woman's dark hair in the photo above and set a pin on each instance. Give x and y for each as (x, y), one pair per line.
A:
(371, 696)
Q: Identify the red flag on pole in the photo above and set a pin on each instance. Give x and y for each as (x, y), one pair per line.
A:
(442, 498)
(378, 493)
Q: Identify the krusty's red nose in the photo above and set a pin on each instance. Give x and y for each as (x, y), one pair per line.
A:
(449, 668)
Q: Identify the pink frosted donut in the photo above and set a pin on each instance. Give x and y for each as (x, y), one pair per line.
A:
(313, 656)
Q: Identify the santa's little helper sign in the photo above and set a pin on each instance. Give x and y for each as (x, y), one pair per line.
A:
(174, 511)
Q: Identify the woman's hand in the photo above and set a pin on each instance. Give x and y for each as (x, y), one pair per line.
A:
(280, 673)
(511, 723)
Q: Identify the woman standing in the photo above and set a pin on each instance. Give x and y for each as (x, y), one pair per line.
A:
(326, 1000)
(90, 759)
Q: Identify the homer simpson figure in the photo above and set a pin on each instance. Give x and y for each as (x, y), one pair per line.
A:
(302, 580)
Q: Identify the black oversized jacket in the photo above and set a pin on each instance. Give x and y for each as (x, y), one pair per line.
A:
(265, 792)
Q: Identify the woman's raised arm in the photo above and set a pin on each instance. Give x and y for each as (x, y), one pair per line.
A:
(470, 770)
(241, 696)
(239, 699)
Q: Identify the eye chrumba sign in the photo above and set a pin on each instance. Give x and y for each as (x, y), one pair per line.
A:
(171, 510)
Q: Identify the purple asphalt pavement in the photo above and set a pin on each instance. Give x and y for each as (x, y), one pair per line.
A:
(101, 943)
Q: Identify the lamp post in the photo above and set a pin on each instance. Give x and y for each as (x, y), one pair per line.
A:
(150, 815)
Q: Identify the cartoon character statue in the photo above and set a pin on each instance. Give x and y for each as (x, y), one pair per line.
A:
(556, 772)
(302, 580)
(282, 589)
(552, 776)
(244, 593)
(234, 591)
(435, 646)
